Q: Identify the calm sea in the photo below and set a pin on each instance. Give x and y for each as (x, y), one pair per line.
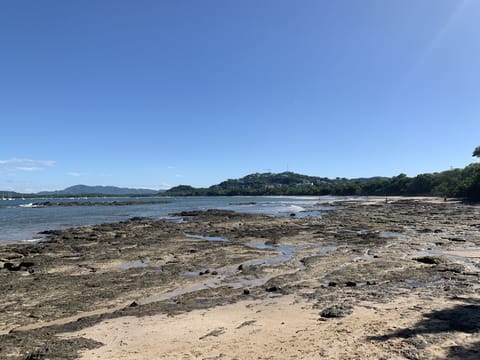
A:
(18, 221)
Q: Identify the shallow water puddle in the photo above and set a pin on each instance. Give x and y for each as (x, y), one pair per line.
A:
(462, 255)
(209, 283)
(191, 273)
(207, 238)
(392, 234)
(384, 234)
(286, 253)
(366, 257)
(228, 276)
(325, 249)
(231, 276)
(134, 265)
(260, 246)
(358, 232)
(431, 283)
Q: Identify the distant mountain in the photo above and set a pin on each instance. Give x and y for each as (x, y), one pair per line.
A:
(7, 194)
(99, 190)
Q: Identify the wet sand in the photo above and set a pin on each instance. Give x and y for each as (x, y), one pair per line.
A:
(392, 280)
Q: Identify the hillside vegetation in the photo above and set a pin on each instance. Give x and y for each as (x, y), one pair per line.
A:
(462, 183)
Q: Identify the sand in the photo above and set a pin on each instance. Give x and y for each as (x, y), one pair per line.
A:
(275, 328)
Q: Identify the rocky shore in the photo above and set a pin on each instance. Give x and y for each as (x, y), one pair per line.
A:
(97, 203)
(373, 280)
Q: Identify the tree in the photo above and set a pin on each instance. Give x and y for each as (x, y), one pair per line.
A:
(421, 185)
(476, 152)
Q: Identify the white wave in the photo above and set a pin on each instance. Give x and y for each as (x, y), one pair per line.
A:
(32, 240)
(295, 208)
(29, 205)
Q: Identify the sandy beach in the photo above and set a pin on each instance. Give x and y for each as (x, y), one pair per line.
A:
(397, 279)
(284, 327)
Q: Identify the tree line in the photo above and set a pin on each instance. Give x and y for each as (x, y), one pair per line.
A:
(460, 183)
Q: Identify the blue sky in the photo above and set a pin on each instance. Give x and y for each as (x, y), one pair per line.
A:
(159, 93)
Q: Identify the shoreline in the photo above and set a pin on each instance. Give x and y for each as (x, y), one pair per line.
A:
(356, 264)
(44, 204)
(324, 201)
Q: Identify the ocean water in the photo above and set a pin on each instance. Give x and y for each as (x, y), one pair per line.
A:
(20, 221)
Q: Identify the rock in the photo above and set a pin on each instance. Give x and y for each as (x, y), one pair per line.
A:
(350, 284)
(37, 355)
(246, 292)
(411, 354)
(209, 212)
(188, 213)
(26, 264)
(133, 304)
(10, 266)
(456, 239)
(425, 259)
(336, 311)
(216, 332)
(23, 266)
(454, 268)
(246, 323)
(432, 260)
(272, 289)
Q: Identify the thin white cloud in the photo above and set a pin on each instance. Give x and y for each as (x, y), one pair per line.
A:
(9, 161)
(73, 173)
(28, 168)
(22, 162)
(14, 165)
(179, 175)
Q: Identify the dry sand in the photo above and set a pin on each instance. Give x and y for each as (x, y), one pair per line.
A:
(275, 328)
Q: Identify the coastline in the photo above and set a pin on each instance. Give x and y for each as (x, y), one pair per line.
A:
(383, 268)
(21, 220)
(95, 203)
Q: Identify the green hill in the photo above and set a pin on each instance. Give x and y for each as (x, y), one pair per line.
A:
(464, 183)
